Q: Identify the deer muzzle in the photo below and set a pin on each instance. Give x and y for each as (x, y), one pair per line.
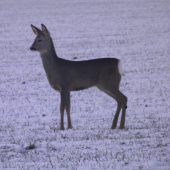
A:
(32, 48)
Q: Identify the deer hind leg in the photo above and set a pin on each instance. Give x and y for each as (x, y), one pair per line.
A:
(65, 104)
(123, 100)
(121, 103)
(114, 123)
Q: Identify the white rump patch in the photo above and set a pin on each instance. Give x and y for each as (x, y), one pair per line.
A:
(120, 68)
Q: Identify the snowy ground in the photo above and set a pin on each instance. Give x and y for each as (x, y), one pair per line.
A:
(136, 31)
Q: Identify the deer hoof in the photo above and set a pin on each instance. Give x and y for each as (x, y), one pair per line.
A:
(61, 128)
(121, 127)
(70, 127)
(113, 127)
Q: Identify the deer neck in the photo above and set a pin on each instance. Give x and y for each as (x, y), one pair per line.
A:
(49, 58)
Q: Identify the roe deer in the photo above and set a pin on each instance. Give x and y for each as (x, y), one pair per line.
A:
(65, 76)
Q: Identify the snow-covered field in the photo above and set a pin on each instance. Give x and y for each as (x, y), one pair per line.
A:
(137, 32)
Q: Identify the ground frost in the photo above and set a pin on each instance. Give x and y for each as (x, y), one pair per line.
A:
(137, 32)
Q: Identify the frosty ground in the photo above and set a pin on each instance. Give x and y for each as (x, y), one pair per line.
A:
(138, 33)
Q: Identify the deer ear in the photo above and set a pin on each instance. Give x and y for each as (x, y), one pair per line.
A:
(44, 30)
(36, 30)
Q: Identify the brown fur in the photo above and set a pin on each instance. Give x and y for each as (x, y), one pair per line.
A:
(65, 76)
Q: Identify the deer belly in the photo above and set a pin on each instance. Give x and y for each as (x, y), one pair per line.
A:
(79, 86)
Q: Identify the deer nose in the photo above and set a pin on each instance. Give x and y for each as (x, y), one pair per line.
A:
(32, 49)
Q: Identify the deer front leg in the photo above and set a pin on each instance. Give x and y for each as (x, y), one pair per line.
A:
(62, 105)
(67, 107)
(65, 104)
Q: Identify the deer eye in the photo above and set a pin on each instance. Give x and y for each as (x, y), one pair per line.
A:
(39, 40)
